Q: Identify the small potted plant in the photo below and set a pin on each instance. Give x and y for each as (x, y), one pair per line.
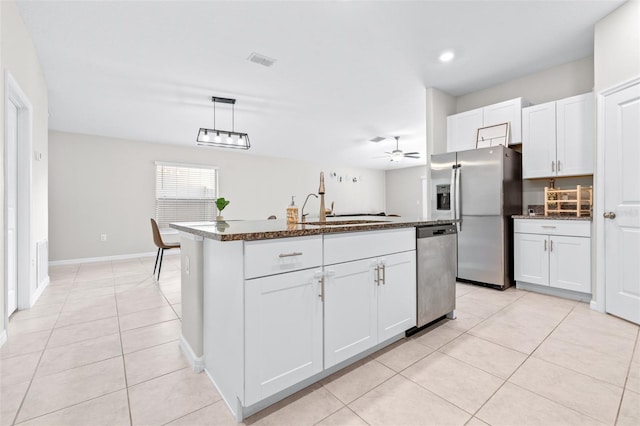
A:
(221, 203)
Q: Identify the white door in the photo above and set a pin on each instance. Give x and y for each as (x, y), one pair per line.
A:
(531, 258)
(575, 131)
(283, 332)
(621, 130)
(570, 263)
(539, 141)
(350, 310)
(396, 294)
(462, 130)
(11, 164)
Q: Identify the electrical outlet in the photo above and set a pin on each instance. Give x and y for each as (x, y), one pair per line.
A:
(103, 237)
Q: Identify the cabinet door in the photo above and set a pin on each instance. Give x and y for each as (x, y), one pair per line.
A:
(570, 263)
(396, 294)
(539, 141)
(531, 258)
(508, 111)
(575, 135)
(283, 332)
(462, 130)
(350, 310)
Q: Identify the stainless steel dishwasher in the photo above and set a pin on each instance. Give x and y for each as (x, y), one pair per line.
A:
(437, 269)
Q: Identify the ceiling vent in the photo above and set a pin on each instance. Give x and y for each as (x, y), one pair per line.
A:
(377, 139)
(261, 59)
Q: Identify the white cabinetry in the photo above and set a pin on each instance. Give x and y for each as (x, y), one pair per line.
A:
(283, 332)
(367, 301)
(301, 318)
(557, 138)
(462, 128)
(553, 253)
(283, 314)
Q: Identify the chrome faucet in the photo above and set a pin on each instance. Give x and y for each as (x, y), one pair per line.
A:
(302, 213)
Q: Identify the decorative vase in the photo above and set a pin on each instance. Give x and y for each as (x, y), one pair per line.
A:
(219, 218)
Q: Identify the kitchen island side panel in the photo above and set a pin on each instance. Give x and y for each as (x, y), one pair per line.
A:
(224, 319)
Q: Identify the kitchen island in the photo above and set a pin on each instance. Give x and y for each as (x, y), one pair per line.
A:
(269, 308)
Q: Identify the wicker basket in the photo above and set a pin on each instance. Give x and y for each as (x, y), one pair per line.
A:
(568, 202)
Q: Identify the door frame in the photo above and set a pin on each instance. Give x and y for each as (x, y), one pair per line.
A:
(14, 93)
(599, 302)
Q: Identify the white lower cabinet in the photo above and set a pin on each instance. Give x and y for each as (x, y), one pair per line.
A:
(300, 316)
(553, 253)
(367, 302)
(283, 332)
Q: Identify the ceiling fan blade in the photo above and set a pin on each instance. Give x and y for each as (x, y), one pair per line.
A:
(411, 153)
(417, 157)
(387, 153)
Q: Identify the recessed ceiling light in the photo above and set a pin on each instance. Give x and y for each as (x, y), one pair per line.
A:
(446, 56)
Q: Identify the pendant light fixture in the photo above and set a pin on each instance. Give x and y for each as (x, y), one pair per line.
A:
(223, 138)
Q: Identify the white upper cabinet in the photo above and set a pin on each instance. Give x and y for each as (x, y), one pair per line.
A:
(557, 138)
(508, 111)
(462, 128)
(575, 135)
(539, 140)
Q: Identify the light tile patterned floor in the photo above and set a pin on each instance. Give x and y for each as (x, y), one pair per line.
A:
(101, 348)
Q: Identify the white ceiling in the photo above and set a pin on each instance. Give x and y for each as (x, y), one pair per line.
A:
(346, 71)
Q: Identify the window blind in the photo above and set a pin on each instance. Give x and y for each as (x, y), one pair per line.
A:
(185, 193)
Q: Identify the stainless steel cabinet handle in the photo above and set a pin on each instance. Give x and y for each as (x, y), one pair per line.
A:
(609, 215)
(548, 226)
(558, 165)
(545, 245)
(321, 295)
(551, 246)
(553, 166)
(376, 279)
(384, 274)
(295, 253)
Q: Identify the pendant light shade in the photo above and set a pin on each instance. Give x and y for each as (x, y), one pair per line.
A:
(223, 138)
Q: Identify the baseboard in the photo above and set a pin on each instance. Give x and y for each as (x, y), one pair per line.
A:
(36, 294)
(110, 258)
(196, 362)
(3, 337)
(558, 292)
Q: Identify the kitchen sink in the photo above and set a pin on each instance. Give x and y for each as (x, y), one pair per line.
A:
(343, 222)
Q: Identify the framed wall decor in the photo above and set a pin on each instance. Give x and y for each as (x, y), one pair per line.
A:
(497, 134)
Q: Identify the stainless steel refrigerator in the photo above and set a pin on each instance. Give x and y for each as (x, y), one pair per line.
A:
(481, 188)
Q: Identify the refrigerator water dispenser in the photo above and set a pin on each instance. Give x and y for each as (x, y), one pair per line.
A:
(443, 197)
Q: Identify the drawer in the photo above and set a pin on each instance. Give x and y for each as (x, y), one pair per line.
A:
(574, 228)
(350, 246)
(268, 257)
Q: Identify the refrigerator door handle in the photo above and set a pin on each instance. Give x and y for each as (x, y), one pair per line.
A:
(452, 191)
(457, 203)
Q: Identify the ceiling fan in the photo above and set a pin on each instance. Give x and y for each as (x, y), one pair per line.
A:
(398, 155)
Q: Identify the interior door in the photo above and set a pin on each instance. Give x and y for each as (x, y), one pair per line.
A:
(11, 164)
(622, 202)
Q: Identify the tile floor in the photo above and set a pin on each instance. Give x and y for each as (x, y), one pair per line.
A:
(101, 348)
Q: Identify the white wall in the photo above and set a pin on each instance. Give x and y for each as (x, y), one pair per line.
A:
(19, 57)
(617, 46)
(572, 78)
(439, 105)
(404, 192)
(102, 185)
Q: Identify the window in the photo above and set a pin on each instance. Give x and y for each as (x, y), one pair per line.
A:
(185, 193)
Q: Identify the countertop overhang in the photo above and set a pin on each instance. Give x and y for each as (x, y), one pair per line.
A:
(543, 217)
(250, 230)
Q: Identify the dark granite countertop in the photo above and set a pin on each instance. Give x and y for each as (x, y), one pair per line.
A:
(249, 230)
(543, 217)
